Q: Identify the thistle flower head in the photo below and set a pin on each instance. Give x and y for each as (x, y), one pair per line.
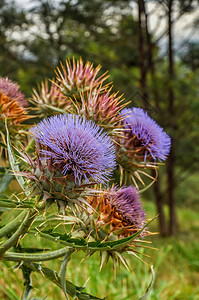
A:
(11, 110)
(144, 135)
(127, 201)
(11, 90)
(76, 76)
(76, 147)
(121, 209)
(102, 107)
(48, 99)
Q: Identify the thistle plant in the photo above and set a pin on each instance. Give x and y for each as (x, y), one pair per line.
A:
(73, 176)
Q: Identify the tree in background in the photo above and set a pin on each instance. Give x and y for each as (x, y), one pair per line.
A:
(12, 19)
(167, 108)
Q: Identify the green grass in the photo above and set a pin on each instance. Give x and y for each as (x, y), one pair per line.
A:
(176, 265)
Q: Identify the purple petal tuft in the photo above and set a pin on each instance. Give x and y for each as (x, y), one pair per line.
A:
(149, 134)
(127, 201)
(77, 147)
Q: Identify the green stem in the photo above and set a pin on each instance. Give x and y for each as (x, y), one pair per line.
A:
(14, 205)
(53, 276)
(28, 257)
(27, 221)
(62, 272)
(26, 271)
(30, 145)
(71, 289)
(13, 225)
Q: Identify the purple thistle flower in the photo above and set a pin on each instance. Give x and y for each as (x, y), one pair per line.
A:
(76, 146)
(127, 201)
(146, 134)
(11, 90)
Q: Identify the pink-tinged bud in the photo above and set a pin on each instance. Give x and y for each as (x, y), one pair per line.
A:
(77, 77)
(103, 107)
(48, 99)
(11, 90)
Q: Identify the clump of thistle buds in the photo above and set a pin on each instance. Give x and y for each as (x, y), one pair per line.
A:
(72, 81)
(80, 89)
(84, 139)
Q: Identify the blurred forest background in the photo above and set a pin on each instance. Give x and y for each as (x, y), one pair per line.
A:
(151, 49)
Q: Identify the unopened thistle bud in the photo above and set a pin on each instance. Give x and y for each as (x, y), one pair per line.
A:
(48, 99)
(76, 77)
(103, 107)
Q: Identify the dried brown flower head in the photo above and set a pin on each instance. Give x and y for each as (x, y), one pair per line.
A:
(11, 110)
(120, 211)
(11, 89)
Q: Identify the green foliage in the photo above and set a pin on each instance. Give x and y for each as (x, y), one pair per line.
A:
(170, 264)
(190, 56)
(5, 178)
(65, 29)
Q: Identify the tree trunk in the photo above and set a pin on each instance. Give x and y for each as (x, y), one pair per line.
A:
(159, 200)
(171, 112)
(151, 65)
(142, 56)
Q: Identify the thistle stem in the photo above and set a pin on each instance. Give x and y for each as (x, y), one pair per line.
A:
(14, 205)
(71, 289)
(31, 143)
(53, 276)
(27, 221)
(29, 258)
(13, 225)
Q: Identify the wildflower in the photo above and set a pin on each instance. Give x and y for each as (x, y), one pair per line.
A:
(11, 90)
(79, 77)
(76, 147)
(120, 209)
(144, 135)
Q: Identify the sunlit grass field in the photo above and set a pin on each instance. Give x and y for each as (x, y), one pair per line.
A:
(176, 265)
